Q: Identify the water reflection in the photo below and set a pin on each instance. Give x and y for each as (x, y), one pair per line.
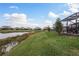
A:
(6, 35)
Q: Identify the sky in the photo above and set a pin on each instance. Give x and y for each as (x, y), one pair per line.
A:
(34, 14)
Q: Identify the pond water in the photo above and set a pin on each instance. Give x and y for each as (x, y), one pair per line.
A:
(6, 35)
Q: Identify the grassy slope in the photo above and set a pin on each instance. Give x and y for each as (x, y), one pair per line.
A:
(47, 43)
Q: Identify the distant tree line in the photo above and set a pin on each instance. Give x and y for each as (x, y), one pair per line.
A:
(27, 28)
(16, 28)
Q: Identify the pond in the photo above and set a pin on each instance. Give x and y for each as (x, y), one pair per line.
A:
(6, 35)
(6, 48)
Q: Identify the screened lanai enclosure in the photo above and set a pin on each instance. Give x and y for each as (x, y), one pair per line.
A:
(71, 24)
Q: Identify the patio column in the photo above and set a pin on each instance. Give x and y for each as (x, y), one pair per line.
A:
(76, 27)
(67, 26)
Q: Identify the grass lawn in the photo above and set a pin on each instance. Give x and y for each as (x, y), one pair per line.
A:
(47, 44)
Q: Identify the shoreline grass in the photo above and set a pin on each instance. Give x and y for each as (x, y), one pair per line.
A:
(47, 44)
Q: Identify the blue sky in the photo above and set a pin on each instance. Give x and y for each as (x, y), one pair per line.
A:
(34, 14)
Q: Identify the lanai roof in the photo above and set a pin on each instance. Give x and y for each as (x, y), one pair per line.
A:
(72, 17)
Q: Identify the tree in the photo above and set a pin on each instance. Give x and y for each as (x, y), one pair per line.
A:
(47, 28)
(37, 28)
(58, 26)
(6, 28)
(29, 28)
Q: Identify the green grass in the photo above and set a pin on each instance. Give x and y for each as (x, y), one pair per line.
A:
(47, 44)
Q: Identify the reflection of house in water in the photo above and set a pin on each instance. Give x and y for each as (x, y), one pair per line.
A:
(72, 24)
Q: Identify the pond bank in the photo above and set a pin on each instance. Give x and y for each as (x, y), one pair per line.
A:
(7, 44)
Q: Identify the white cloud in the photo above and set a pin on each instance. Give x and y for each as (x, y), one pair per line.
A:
(66, 13)
(19, 20)
(16, 19)
(73, 7)
(32, 25)
(13, 7)
(6, 15)
(52, 15)
(51, 19)
(31, 22)
(48, 23)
